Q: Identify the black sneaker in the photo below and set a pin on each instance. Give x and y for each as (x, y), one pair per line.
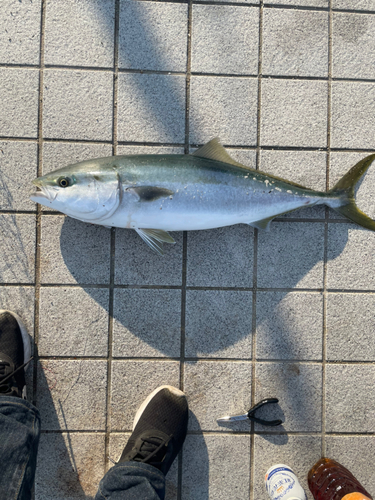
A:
(15, 351)
(159, 429)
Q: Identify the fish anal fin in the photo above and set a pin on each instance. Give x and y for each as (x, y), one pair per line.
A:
(155, 238)
(213, 150)
(262, 224)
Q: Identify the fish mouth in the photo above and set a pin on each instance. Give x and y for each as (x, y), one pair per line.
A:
(40, 193)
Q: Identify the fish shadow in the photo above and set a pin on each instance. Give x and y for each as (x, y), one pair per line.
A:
(217, 276)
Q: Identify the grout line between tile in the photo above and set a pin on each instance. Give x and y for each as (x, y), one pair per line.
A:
(113, 242)
(184, 241)
(209, 360)
(38, 209)
(207, 289)
(325, 265)
(255, 262)
(251, 147)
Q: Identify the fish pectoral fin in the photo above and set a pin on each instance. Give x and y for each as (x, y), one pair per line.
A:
(213, 150)
(262, 224)
(155, 238)
(150, 193)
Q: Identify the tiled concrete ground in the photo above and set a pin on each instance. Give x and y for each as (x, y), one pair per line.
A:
(231, 315)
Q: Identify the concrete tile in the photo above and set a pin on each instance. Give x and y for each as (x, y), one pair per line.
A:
(246, 157)
(18, 169)
(149, 150)
(290, 255)
(359, 4)
(60, 154)
(351, 257)
(218, 324)
(294, 113)
(80, 33)
(151, 108)
(19, 102)
(303, 167)
(225, 39)
(221, 257)
(20, 32)
(223, 107)
(295, 43)
(252, 2)
(353, 45)
(73, 322)
(117, 442)
(299, 390)
(289, 325)
(216, 389)
(21, 300)
(143, 265)
(132, 382)
(17, 248)
(73, 251)
(353, 111)
(350, 327)
(356, 453)
(302, 3)
(341, 163)
(77, 104)
(70, 466)
(350, 402)
(216, 467)
(298, 452)
(71, 394)
(153, 36)
(147, 323)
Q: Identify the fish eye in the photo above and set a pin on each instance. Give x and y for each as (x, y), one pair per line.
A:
(64, 182)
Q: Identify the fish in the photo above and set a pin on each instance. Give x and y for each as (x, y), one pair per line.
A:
(158, 193)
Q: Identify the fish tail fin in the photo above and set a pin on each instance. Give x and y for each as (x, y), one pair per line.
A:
(344, 190)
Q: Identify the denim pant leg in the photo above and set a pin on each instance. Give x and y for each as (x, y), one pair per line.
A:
(132, 481)
(19, 439)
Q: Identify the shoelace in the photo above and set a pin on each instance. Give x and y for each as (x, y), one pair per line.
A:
(145, 455)
(4, 365)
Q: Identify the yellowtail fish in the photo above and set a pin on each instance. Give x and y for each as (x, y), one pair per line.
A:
(154, 194)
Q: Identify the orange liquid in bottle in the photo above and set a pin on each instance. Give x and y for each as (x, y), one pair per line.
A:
(328, 480)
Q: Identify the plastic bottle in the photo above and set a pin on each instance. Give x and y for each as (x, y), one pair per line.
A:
(282, 484)
(328, 480)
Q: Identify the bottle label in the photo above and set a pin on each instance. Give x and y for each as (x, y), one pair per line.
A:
(282, 484)
(355, 496)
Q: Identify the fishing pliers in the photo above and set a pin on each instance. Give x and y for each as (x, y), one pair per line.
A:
(250, 414)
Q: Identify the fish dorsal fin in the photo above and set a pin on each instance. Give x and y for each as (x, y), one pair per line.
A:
(213, 150)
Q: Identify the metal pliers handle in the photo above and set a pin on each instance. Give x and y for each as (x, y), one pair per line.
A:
(250, 414)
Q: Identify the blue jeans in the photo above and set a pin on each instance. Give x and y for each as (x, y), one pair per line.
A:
(19, 439)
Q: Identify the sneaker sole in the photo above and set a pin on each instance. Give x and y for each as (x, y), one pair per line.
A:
(25, 336)
(142, 408)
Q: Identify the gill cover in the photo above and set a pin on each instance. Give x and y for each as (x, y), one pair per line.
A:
(97, 201)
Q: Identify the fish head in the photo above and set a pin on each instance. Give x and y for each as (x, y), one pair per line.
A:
(82, 191)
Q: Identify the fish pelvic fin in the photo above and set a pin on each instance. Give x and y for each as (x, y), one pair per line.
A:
(345, 190)
(155, 239)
